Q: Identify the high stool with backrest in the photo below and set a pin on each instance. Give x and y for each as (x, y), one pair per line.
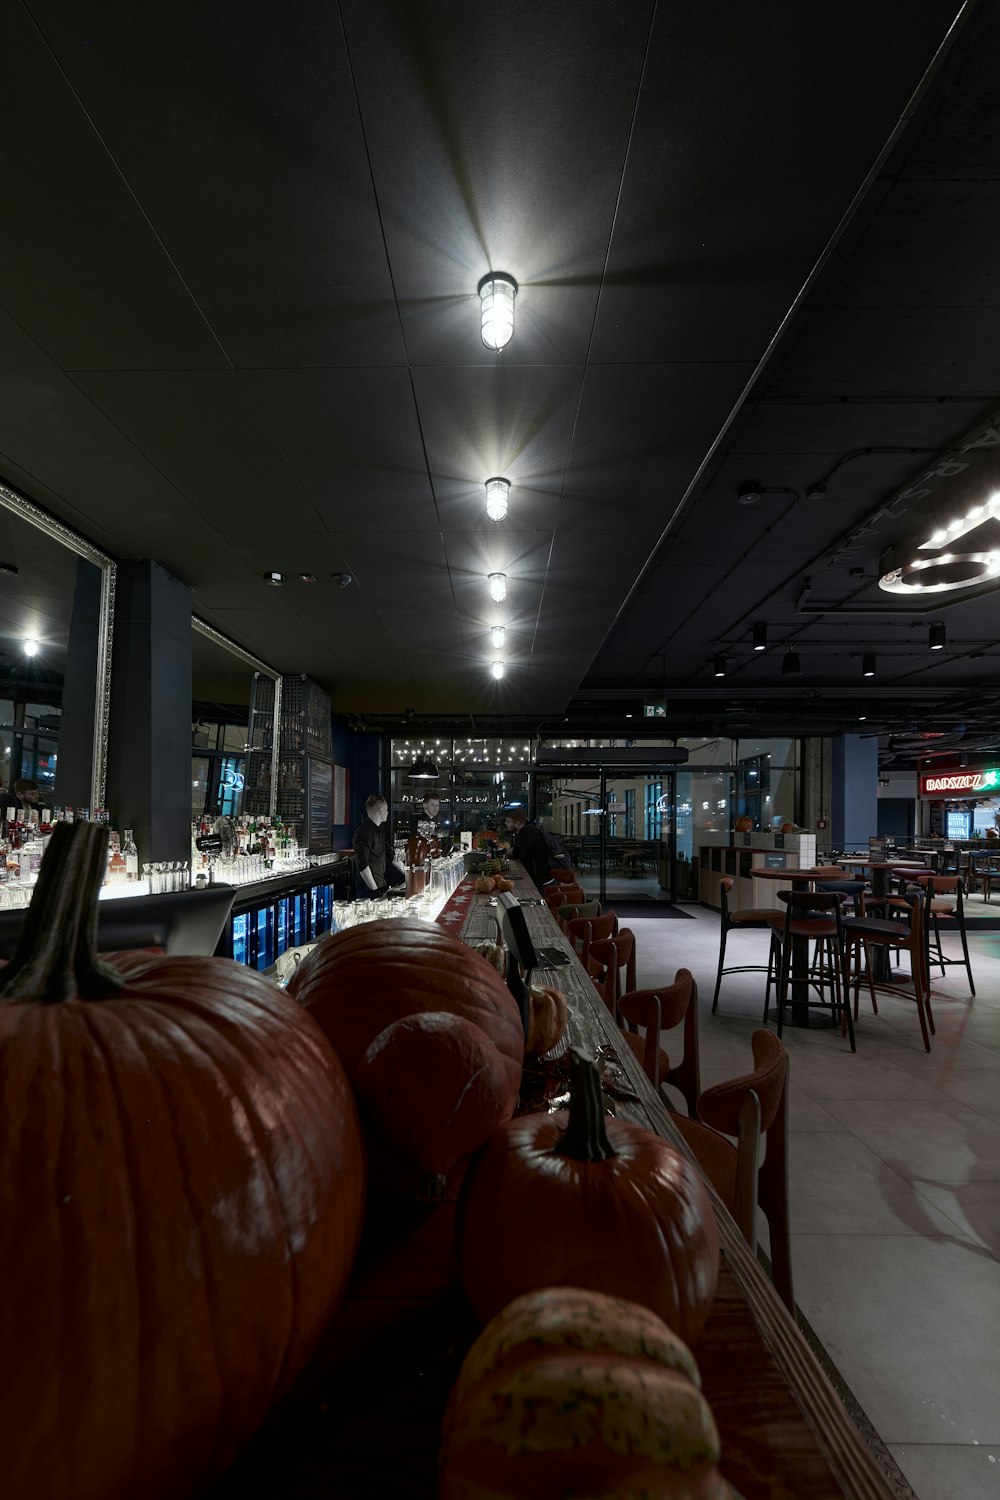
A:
(748, 1107)
(864, 932)
(744, 921)
(814, 916)
(593, 940)
(943, 898)
(665, 1007)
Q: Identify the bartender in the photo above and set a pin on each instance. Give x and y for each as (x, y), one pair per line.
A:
(373, 850)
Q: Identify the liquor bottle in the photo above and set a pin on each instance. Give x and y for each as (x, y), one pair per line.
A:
(131, 854)
(117, 872)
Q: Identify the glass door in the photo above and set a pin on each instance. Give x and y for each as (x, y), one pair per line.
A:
(619, 830)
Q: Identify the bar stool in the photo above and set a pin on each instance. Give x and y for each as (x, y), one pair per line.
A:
(814, 916)
(663, 1008)
(759, 919)
(862, 932)
(943, 898)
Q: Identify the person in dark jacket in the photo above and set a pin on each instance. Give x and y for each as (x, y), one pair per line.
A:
(529, 847)
(373, 848)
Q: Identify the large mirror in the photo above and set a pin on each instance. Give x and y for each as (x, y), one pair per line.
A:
(57, 595)
(235, 714)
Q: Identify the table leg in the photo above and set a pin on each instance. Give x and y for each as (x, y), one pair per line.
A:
(800, 981)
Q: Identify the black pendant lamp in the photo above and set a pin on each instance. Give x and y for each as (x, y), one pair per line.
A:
(423, 769)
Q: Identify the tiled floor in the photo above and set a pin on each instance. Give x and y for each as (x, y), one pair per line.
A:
(895, 1195)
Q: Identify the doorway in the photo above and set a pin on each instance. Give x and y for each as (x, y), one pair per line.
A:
(619, 830)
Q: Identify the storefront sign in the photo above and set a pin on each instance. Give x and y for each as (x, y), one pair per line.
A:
(960, 783)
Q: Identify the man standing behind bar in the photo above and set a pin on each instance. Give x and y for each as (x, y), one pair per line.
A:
(373, 850)
(529, 846)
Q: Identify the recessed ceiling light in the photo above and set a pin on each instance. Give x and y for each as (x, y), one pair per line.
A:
(308, 577)
(274, 579)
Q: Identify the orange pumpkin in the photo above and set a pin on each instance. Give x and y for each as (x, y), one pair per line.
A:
(570, 1392)
(183, 1182)
(744, 824)
(484, 884)
(432, 1088)
(355, 983)
(548, 1017)
(578, 1200)
(501, 883)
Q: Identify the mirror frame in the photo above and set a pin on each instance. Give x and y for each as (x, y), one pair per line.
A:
(26, 510)
(260, 667)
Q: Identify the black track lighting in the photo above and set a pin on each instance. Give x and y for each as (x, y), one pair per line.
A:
(936, 637)
(868, 664)
(760, 637)
(720, 666)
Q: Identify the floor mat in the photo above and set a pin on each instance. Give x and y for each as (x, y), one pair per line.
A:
(633, 909)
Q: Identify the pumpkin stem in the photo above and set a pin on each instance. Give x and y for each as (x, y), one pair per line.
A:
(56, 956)
(585, 1137)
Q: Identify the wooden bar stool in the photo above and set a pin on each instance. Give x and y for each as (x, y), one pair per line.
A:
(943, 898)
(866, 932)
(675, 1005)
(743, 921)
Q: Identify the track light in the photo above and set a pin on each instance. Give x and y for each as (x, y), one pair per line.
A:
(868, 664)
(720, 666)
(790, 666)
(497, 291)
(497, 491)
(760, 637)
(497, 633)
(936, 636)
(498, 587)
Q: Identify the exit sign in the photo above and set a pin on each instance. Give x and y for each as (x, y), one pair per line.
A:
(654, 710)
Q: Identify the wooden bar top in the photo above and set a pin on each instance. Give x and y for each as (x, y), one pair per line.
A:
(364, 1418)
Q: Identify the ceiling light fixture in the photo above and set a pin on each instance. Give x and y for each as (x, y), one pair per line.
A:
(760, 637)
(497, 491)
(30, 646)
(498, 587)
(790, 666)
(344, 579)
(497, 291)
(497, 633)
(936, 636)
(868, 664)
(498, 670)
(423, 769)
(274, 579)
(719, 669)
(749, 492)
(9, 568)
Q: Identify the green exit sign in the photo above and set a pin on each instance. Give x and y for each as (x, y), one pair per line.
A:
(654, 710)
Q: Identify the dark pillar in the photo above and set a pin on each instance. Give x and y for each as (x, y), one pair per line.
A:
(74, 776)
(149, 750)
(853, 791)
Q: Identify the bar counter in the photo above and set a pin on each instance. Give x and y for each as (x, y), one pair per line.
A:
(365, 1415)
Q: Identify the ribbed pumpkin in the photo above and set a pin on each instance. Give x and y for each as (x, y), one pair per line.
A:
(432, 1088)
(572, 1393)
(548, 1017)
(181, 1197)
(578, 1200)
(355, 983)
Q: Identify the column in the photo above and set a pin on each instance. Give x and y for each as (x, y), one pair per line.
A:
(149, 747)
(854, 791)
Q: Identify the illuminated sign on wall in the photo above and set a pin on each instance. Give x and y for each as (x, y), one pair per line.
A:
(960, 783)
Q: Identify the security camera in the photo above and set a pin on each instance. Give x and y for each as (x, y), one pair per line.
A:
(343, 579)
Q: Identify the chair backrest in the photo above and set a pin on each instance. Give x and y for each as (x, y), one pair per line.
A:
(564, 895)
(678, 1005)
(939, 885)
(604, 926)
(566, 877)
(582, 909)
(642, 1008)
(798, 901)
(725, 886)
(720, 1105)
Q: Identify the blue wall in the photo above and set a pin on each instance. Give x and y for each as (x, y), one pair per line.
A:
(853, 791)
(361, 754)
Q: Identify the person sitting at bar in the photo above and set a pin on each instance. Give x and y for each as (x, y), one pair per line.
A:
(22, 797)
(529, 846)
(427, 825)
(373, 849)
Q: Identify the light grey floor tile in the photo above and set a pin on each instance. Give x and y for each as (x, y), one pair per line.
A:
(837, 1186)
(925, 1140)
(976, 1088)
(911, 1324)
(804, 1113)
(840, 1075)
(974, 1207)
(948, 1472)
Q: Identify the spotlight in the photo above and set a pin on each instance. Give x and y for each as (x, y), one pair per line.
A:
(790, 666)
(274, 579)
(720, 666)
(936, 636)
(760, 637)
(868, 664)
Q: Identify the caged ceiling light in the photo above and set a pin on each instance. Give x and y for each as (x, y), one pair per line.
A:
(497, 491)
(497, 634)
(30, 645)
(498, 670)
(497, 291)
(498, 587)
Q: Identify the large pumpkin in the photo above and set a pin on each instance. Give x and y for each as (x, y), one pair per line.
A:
(577, 1200)
(432, 1088)
(355, 983)
(572, 1393)
(181, 1196)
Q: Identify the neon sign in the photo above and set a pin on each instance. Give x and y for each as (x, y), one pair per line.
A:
(960, 783)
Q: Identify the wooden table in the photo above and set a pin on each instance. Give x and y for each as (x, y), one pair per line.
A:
(364, 1418)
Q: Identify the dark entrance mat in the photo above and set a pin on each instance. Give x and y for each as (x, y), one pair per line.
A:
(634, 909)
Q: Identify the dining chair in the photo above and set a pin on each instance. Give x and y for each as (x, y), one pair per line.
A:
(566, 914)
(675, 1005)
(593, 940)
(758, 919)
(862, 934)
(746, 1108)
(943, 897)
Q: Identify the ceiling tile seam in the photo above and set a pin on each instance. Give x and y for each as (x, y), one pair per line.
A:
(839, 230)
(87, 522)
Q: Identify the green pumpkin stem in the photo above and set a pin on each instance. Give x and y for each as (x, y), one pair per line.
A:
(585, 1137)
(56, 956)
